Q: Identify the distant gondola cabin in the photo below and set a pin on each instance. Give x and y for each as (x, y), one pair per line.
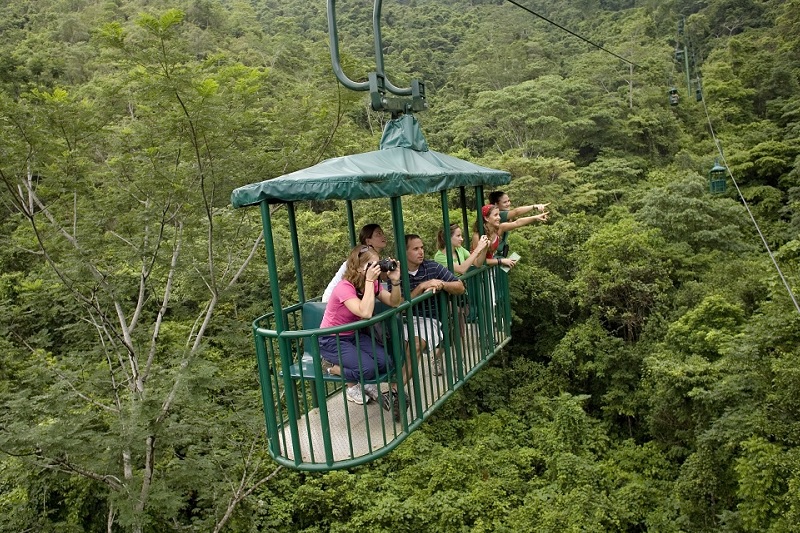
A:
(717, 180)
(673, 96)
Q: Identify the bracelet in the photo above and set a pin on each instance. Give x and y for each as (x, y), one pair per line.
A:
(395, 284)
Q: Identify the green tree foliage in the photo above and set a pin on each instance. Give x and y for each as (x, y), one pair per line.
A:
(624, 272)
(685, 214)
(652, 382)
(121, 187)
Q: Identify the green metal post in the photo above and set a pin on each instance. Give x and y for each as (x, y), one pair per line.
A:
(301, 293)
(479, 202)
(283, 344)
(351, 226)
(448, 249)
(400, 239)
(319, 387)
(503, 291)
(265, 379)
(448, 246)
(484, 283)
(462, 196)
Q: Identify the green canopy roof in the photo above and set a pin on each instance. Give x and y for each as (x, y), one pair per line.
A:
(403, 165)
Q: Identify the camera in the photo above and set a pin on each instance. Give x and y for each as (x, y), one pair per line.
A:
(387, 265)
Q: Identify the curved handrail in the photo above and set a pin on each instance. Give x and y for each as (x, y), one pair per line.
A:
(303, 333)
(364, 322)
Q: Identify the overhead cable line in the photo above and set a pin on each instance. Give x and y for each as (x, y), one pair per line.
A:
(746, 206)
(584, 39)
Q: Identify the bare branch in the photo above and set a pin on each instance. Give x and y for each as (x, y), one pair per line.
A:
(91, 303)
(240, 494)
(250, 256)
(53, 222)
(84, 396)
(128, 340)
(143, 275)
(15, 191)
(149, 463)
(103, 334)
(75, 212)
(140, 298)
(123, 239)
(167, 293)
(63, 465)
(114, 385)
(127, 465)
(336, 122)
(165, 407)
(148, 263)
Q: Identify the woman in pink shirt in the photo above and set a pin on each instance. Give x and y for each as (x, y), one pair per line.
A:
(353, 354)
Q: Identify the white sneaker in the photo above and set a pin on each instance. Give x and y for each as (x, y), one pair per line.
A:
(371, 390)
(355, 395)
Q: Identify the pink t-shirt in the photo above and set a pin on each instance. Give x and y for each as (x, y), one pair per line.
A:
(336, 312)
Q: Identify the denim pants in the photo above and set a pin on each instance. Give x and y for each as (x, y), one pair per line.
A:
(360, 356)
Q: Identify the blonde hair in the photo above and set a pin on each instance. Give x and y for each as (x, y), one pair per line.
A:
(356, 261)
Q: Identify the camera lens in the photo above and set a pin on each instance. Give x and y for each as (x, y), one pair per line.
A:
(387, 265)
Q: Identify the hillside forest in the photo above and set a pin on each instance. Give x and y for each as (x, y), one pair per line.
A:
(653, 378)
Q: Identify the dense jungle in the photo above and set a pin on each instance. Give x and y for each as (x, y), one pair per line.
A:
(653, 379)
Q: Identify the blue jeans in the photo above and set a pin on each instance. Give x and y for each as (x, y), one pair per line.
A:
(359, 355)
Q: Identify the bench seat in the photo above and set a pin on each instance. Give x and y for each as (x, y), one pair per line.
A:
(304, 368)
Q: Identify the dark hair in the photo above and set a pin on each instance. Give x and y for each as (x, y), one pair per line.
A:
(495, 196)
(366, 232)
(410, 237)
(440, 238)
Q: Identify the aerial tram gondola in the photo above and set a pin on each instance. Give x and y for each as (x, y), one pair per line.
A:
(717, 178)
(673, 96)
(310, 424)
